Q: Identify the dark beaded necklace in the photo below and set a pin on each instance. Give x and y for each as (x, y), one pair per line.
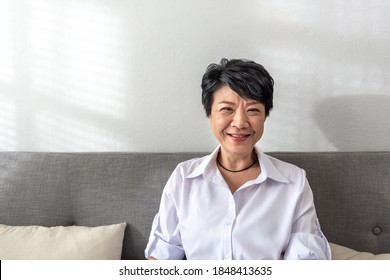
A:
(235, 171)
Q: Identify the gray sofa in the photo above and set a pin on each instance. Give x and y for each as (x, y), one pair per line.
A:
(351, 190)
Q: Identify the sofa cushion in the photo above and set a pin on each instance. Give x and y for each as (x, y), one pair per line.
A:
(61, 243)
(344, 253)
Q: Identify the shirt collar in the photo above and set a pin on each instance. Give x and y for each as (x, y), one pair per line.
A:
(208, 163)
(268, 170)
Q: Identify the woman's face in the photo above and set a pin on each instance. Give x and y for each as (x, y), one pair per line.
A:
(237, 123)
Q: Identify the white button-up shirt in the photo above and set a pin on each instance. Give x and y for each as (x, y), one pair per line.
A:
(270, 217)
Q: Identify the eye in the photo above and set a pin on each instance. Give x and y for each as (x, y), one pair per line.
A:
(254, 111)
(226, 109)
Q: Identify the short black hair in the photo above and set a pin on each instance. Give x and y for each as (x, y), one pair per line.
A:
(247, 78)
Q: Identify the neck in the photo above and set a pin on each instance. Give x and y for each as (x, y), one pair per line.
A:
(237, 164)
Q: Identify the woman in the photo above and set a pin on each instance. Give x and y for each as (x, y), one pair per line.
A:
(237, 203)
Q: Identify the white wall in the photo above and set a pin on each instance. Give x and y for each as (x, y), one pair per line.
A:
(125, 75)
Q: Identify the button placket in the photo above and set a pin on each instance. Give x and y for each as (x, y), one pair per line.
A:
(231, 215)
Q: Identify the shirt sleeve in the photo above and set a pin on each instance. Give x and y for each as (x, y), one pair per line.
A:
(307, 240)
(164, 240)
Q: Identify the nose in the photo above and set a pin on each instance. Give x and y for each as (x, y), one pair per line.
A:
(240, 120)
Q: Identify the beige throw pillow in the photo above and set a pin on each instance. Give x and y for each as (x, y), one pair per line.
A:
(344, 253)
(61, 243)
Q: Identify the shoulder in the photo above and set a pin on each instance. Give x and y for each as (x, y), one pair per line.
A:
(185, 171)
(282, 165)
(288, 170)
(193, 167)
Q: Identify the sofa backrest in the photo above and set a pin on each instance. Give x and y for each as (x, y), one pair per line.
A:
(86, 189)
(351, 190)
(351, 194)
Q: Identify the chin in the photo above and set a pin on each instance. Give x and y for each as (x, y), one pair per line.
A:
(237, 149)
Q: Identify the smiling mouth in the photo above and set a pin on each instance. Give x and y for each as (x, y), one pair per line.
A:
(238, 137)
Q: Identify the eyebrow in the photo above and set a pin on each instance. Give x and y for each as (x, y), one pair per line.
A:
(232, 103)
(253, 103)
(227, 102)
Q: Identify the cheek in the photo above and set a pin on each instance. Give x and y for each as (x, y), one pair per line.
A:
(259, 127)
(219, 121)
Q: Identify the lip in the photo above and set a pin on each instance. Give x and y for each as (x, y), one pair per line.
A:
(238, 137)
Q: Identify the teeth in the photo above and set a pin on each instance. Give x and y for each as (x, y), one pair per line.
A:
(239, 136)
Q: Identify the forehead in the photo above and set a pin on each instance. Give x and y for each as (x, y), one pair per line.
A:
(226, 95)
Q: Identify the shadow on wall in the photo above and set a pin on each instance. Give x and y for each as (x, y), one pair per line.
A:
(356, 122)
